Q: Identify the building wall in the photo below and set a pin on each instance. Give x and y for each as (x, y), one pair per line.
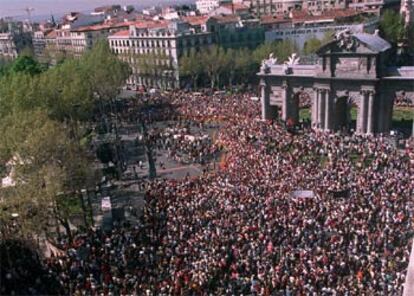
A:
(205, 6)
(166, 47)
(301, 34)
(407, 11)
(282, 7)
(316, 6)
(8, 48)
(11, 44)
(273, 7)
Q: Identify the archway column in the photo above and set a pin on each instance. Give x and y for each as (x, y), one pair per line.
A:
(265, 99)
(328, 109)
(285, 101)
(370, 112)
(321, 109)
(314, 109)
(381, 113)
(362, 113)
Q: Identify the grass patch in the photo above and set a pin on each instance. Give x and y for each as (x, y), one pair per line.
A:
(402, 113)
(304, 114)
(399, 113)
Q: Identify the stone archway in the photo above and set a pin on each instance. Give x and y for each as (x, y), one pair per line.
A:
(342, 113)
(343, 105)
(295, 98)
(401, 114)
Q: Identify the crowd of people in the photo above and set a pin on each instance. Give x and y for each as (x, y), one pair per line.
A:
(184, 144)
(240, 230)
(403, 101)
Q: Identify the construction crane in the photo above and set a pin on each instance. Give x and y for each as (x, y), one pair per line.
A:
(29, 13)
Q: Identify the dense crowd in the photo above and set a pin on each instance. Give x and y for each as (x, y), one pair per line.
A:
(403, 101)
(184, 144)
(241, 231)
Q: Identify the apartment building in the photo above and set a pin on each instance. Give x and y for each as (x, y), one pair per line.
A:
(84, 38)
(282, 7)
(153, 49)
(206, 6)
(15, 37)
(8, 49)
(300, 27)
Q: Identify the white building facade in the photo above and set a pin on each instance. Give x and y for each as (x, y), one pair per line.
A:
(206, 6)
(8, 48)
(153, 50)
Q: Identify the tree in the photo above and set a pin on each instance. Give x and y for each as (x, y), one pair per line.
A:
(281, 49)
(328, 36)
(66, 92)
(392, 26)
(191, 66)
(213, 60)
(311, 46)
(44, 160)
(284, 49)
(106, 73)
(230, 65)
(26, 64)
(244, 65)
(4, 67)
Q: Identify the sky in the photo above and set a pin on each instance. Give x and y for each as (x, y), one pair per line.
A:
(58, 7)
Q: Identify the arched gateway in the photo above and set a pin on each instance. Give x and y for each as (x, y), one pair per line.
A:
(351, 71)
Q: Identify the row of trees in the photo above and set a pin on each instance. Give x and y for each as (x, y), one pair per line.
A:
(221, 66)
(393, 28)
(43, 115)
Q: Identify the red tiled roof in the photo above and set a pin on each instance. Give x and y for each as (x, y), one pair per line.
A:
(123, 33)
(100, 27)
(151, 24)
(270, 19)
(51, 34)
(303, 16)
(235, 6)
(222, 19)
(195, 20)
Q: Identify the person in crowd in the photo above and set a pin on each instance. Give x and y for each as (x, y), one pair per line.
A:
(239, 230)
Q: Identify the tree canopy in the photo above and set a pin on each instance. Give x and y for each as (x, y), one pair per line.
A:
(40, 144)
(228, 66)
(393, 28)
(26, 64)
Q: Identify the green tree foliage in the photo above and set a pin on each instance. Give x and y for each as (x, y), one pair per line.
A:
(39, 115)
(280, 49)
(26, 64)
(311, 46)
(392, 26)
(106, 73)
(230, 66)
(66, 91)
(244, 65)
(4, 67)
(191, 66)
(44, 160)
(214, 62)
(328, 36)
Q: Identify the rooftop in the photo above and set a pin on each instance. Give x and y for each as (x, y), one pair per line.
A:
(195, 20)
(270, 19)
(123, 33)
(235, 6)
(101, 27)
(223, 19)
(373, 41)
(334, 14)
